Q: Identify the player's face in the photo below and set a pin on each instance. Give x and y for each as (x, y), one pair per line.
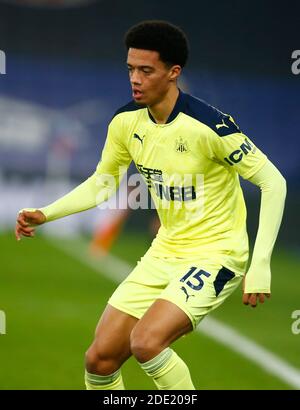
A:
(150, 78)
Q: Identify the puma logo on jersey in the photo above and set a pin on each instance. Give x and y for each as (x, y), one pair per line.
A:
(138, 137)
(186, 294)
(222, 125)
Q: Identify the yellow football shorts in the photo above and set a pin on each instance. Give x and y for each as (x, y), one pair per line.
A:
(197, 286)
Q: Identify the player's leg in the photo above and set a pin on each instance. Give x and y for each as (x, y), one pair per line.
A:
(127, 304)
(162, 324)
(109, 350)
(196, 288)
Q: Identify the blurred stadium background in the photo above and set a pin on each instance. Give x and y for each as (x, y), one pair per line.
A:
(65, 77)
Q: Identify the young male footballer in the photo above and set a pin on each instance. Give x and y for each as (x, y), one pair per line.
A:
(190, 155)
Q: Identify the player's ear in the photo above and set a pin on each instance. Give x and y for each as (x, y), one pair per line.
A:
(175, 72)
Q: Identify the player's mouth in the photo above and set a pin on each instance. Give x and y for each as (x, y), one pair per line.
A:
(137, 94)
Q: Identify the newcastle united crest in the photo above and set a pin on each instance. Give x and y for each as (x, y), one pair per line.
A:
(181, 145)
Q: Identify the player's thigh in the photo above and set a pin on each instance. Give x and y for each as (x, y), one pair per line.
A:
(162, 324)
(112, 335)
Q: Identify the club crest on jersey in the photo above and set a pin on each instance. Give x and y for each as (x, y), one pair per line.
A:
(181, 146)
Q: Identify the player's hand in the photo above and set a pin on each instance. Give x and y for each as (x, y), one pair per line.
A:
(252, 298)
(26, 222)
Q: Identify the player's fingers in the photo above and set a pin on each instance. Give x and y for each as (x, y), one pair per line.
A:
(246, 298)
(261, 297)
(20, 231)
(21, 220)
(17, 234)
(268, 295)
(26, 230)
(253, 299)
(28, 235)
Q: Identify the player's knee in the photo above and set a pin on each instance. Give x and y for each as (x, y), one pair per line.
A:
(99, 361)
(144, 345)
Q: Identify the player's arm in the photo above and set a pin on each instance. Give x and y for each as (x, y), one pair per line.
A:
(273, 193)
(237, 152)
(96, 189)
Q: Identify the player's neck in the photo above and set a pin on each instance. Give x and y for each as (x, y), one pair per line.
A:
(162, 110)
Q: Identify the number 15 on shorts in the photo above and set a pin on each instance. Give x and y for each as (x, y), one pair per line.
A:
(197, 276)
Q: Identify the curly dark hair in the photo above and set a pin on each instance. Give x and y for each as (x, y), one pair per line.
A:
(167, 39)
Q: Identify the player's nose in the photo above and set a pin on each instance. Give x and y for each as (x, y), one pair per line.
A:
(135, 78)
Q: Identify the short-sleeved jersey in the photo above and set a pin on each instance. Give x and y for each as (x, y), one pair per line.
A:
(191, 165)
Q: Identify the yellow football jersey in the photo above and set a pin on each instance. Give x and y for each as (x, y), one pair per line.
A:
(191, 165)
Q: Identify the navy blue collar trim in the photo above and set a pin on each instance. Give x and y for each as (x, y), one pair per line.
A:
(179, 106)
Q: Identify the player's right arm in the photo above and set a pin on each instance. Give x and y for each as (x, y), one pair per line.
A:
(96, 189)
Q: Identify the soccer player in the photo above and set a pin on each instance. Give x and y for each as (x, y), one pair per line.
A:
(190, 155)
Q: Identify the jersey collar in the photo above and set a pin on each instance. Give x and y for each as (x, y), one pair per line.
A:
(178, 107)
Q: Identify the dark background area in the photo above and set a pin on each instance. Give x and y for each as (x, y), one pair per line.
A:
(238, 36)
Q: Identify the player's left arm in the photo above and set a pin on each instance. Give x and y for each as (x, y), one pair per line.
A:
(237, 152)
(257, 283)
